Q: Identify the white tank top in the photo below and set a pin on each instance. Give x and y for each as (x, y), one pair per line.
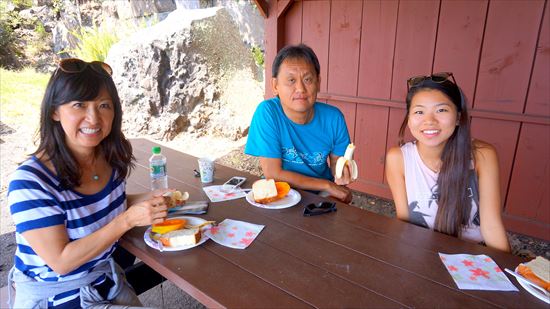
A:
(421, 184)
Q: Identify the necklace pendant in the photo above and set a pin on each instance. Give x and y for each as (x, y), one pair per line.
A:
(95, 177)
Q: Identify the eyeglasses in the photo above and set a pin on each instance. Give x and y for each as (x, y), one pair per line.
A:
(320, 208)
(74, 65)
(436, 78)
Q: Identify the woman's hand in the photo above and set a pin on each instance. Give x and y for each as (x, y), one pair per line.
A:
(147, 212)
(140, 197)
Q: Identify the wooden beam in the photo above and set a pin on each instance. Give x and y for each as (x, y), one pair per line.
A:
(282, 6)
(262, 7)
(272, 39)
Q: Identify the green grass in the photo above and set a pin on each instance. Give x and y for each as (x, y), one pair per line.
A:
(21, 93)
(94, 43)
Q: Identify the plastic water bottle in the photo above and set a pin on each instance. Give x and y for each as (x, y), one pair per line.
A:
(157, 163)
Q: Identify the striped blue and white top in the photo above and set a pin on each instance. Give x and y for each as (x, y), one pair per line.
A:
(36, 200)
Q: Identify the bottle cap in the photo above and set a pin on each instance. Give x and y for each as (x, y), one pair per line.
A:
(156, 150)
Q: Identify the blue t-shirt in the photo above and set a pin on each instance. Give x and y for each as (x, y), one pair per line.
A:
(302, 148)
(36, 200)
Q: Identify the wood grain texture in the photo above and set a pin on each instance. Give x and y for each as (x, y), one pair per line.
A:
(377, 48)
(538, 98)
(507, 55)
(529, 196)
(292, 23)
(350, 258)
(371, 133)
(316, 33)
(499, 52)
(345, 40)
(459, 38)
(415, 43)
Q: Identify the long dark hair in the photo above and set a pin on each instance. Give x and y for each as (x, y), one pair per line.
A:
(83, 86)
(454, 204)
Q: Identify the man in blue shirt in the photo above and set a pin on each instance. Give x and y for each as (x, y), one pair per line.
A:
(298, 139)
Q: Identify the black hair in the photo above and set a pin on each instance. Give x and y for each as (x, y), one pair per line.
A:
(454, 204)
(63, 88)
(300, 51)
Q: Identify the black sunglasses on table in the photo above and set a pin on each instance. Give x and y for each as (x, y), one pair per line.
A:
(436, 78)
(75, 65)
(319, 208)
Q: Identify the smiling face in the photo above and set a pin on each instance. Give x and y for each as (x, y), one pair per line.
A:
(432, 118)
(297, 85)
(86, 123)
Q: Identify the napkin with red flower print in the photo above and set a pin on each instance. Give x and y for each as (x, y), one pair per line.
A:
(234, 234)
(476, 272)
(217, 194)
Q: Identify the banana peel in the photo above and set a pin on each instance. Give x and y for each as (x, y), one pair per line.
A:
(347, 160)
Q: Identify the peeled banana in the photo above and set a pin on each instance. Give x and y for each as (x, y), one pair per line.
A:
(347, 159)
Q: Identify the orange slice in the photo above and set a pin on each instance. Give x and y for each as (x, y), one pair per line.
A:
(168, 226)
(282, 189)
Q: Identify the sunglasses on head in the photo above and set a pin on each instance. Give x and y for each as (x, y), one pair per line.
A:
(74, 65)
(436, 78)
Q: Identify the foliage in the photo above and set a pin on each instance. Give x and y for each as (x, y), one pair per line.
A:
(8, 21)
(258, 55)
(57, 7)
(22, 4)
(22, 93)
(40, 30)
(94, 43)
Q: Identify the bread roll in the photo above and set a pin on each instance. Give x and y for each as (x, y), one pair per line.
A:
(264, 191)
(183, 237)
(537, 271)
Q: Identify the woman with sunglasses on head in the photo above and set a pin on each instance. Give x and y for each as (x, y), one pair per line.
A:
(444, 180)
(68, 200)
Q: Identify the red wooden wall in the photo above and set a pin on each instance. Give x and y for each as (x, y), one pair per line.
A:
(499, 52)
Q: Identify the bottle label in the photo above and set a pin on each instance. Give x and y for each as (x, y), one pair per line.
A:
(158, 171)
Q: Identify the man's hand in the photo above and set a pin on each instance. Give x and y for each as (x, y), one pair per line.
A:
(341, 193)
(346, 177)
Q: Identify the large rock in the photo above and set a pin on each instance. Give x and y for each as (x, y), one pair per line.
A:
(179, 76)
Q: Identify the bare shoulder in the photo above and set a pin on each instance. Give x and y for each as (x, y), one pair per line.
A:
(394, 155)
(394, 159)
(483, 151)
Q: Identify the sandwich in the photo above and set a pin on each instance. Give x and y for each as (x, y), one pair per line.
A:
(175, 198)
(537, 271)
(267, 190)
(183, 237)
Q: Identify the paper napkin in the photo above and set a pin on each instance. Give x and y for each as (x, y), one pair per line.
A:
(476, 272)
(216, 194)
(234, 234)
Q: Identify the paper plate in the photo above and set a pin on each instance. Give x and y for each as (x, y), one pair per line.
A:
(291, 199)
(528, 286)
(148, 236)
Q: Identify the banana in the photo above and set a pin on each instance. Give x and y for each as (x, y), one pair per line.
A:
(347, 159)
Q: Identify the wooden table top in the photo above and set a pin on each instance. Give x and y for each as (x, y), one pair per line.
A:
(349, 258)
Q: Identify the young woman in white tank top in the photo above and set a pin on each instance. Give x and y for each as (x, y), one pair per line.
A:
(444, 180)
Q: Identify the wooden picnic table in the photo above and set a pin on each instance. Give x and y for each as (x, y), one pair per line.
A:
(349, 258)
